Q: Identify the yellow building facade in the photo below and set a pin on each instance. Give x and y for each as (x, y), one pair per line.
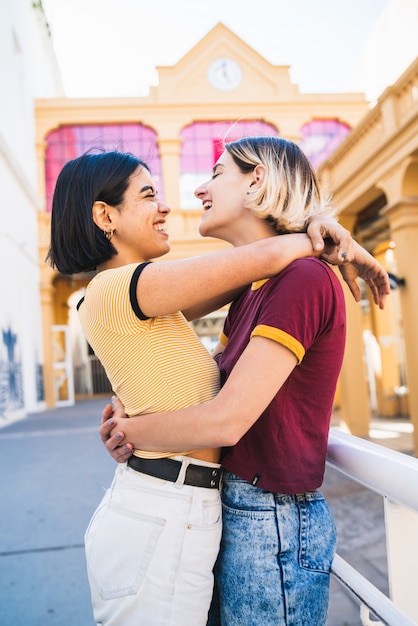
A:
(222, 81)
(373, 177)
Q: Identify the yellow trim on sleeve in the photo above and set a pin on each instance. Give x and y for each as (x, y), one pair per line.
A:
(223, 338)
(259, 283)
(281, 337)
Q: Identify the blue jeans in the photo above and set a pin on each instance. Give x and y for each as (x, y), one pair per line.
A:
(275, 558)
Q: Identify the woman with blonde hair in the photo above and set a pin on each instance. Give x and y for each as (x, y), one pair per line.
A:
(279, 356)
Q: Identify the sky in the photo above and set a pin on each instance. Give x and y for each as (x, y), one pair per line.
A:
(111, 47)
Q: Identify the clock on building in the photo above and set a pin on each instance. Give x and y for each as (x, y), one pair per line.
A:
(224, 74)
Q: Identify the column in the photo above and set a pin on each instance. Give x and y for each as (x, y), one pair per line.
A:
(47, 308)
(403, 220)
(385, 324)
(170, 166)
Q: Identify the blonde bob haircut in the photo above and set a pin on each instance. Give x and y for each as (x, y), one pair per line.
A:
(289, 193)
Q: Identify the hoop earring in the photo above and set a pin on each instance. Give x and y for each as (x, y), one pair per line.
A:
(108, 234)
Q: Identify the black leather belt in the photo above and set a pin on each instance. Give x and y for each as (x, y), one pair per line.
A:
(169, 469)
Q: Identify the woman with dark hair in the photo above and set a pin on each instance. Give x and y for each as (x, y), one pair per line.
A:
(279, 357)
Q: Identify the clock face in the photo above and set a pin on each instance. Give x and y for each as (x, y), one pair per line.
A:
(224, 74)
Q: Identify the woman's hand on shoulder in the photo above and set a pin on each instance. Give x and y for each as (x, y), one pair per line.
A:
(339, 248)
(366, 267)
(333, 240)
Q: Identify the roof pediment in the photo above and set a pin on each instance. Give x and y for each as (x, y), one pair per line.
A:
(223, 67)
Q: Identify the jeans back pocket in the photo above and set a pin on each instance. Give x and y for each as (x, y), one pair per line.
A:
(119, 546)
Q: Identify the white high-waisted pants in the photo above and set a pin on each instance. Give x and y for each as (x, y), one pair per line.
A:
(151, 546)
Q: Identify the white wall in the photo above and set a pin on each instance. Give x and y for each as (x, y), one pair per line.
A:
(28, 70)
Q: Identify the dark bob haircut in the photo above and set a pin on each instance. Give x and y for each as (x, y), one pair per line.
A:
(77, 244)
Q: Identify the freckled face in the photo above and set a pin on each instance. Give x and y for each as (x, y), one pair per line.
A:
(140, 224)
(223, 198)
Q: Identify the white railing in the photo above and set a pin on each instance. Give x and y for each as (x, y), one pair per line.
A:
(394, 476)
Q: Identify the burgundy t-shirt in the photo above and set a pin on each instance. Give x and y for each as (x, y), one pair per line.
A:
(302, 308)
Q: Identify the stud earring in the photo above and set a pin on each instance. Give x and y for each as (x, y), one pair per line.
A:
(108, 234)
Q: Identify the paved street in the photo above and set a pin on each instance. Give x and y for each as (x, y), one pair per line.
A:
(53, 470)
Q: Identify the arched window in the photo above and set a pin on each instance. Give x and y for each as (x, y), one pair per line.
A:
(68, 142)
(321, 137)
(202, 145)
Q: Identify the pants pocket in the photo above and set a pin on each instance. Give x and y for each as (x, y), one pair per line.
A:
(318, 535)
(119, 546)
(211, 512)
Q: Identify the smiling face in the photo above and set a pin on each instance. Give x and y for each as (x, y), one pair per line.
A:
(224, 202)
(138, 224)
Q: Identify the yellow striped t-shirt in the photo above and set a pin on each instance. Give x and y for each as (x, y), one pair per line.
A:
(157, 364)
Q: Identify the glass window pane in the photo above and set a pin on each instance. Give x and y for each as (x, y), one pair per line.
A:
(321, 137)
(68, 142)
(201, 147)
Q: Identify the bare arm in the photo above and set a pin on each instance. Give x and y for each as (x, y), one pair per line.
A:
(202, 284)
(321, 229)
(264, 365)
(117, 444)
(207, 282)
(354, 261)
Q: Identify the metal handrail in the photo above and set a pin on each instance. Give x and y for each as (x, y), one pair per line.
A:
(381, 606)
(393, 475)
(387, 472)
